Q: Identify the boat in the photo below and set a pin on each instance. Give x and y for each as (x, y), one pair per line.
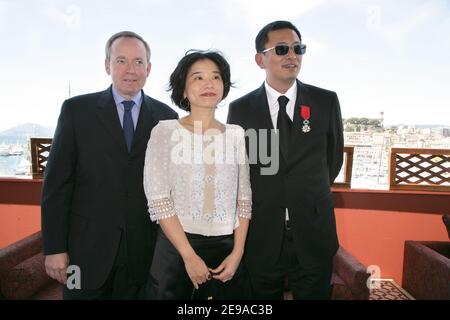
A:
(23, 168)
(4, 150)
(16, 150)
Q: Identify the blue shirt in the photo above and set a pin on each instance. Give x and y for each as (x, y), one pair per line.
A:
(121, 109)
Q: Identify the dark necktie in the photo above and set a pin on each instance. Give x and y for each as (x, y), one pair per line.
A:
(284, 125)
(128, 126)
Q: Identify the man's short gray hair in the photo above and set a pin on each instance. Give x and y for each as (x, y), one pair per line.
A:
(125, 34)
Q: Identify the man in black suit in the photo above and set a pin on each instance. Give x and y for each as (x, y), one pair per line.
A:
(94, 210)
(293, 231)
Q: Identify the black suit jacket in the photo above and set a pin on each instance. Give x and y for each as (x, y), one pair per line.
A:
(302, 183)
(93, 188)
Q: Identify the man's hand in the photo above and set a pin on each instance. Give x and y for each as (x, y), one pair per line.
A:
(56, 266)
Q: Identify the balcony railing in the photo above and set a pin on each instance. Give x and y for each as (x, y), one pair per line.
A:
(348, 168)
(419, 169)
(409, 169)
(40, 148)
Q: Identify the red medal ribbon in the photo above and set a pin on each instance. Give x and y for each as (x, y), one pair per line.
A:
(305, 112)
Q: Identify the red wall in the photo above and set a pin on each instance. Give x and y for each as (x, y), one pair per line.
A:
(373, 225)
(17, 222)
(377, 237)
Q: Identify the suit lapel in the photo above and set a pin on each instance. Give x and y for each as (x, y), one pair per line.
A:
(303, 98)
(261, 119)
(146, 122)
(108, 116)
(262, 111)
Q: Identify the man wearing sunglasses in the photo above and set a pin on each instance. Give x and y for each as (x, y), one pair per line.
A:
(292, 234)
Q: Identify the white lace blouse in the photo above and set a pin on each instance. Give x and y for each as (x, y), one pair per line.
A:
(203, 179)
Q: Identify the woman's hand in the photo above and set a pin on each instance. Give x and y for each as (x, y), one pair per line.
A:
(226, 270)
(197, 270)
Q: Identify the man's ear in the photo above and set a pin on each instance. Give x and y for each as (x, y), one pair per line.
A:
(149, 67)
(107, 68)
(259, 60)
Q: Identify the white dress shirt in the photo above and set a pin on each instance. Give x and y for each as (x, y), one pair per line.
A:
(272, 99)
(274, 107)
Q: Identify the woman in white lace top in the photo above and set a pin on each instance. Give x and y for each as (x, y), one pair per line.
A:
(196, 178)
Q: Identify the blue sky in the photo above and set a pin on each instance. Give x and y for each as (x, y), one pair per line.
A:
(378, 55)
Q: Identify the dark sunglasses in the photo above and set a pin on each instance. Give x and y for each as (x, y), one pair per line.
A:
(283, 49)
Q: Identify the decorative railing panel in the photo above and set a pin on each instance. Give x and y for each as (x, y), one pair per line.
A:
(40, 148)
(348, 165)
(419, 169)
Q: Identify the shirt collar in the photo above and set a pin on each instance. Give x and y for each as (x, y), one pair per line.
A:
(272, 95)
(119, 99)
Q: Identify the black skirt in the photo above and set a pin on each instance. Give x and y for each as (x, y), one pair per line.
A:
(168, 279)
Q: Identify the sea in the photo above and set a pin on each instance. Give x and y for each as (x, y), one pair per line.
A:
(8, 165)
(14, 165)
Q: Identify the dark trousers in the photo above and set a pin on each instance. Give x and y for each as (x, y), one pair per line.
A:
(168, 279)
(118, 285)
(305, 283)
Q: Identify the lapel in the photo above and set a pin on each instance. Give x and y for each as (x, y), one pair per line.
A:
(108, 116)
(260, 119)
(298, 136)
(146, 122)
(303, 98)
(261, 110)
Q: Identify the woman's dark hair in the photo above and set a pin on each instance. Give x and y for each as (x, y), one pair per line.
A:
(262, 37)
(179, 75)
